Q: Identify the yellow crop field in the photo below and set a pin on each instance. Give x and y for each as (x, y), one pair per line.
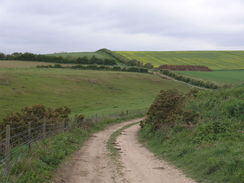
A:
(216, 60)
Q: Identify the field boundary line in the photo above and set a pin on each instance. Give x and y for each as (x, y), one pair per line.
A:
(163, 76)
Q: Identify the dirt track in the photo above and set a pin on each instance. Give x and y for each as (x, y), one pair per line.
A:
(93, 164)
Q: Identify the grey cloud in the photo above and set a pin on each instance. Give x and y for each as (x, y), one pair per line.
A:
(43, 26)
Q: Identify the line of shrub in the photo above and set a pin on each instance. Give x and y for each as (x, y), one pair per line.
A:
(184, 67)
(57, 59)
(196, 82)
(125, 60)
(201, 132)
(98, 67)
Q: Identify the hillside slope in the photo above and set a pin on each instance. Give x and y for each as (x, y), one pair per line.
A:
(216, 60)
(86, 92)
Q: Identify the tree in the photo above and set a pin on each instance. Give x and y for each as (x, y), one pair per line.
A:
(93, 60)
(148, 65)
(2, 56)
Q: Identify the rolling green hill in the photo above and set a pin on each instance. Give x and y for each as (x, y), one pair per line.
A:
(86, 92)
(216, 60)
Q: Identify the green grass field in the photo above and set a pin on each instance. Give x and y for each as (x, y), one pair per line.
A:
(82, 54)
(216, 60)
(222, 77)
(86, 92)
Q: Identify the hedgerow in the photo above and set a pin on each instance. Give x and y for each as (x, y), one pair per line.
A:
(98, 67)
(196, 82)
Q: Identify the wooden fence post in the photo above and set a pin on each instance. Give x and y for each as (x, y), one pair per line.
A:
(44, 130)
(29, 129)
(63, 126)
(7, 142)
(29, 135)
(7, 149)
(96, 118)
(68, 124)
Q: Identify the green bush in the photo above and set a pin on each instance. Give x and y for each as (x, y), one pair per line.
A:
(148, 66)
(167, 111)
(234, 108)
(211, 131)
(57, 66)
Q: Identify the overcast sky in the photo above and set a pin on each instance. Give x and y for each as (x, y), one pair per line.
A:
(44, 26)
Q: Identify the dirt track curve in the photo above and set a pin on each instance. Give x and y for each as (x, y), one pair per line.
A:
(93, 163)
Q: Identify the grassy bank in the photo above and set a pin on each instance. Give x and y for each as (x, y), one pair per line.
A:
(40, 163)
(216, 60)
(201, 134)
(86, 92)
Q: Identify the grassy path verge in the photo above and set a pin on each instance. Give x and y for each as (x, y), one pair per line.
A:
(218, 163)
(111, 144)
(114, 150)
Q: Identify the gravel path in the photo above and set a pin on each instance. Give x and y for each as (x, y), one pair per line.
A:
(93, 163)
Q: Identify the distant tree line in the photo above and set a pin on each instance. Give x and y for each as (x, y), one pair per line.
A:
(196, 82)
(98, 67)
(56, 59)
